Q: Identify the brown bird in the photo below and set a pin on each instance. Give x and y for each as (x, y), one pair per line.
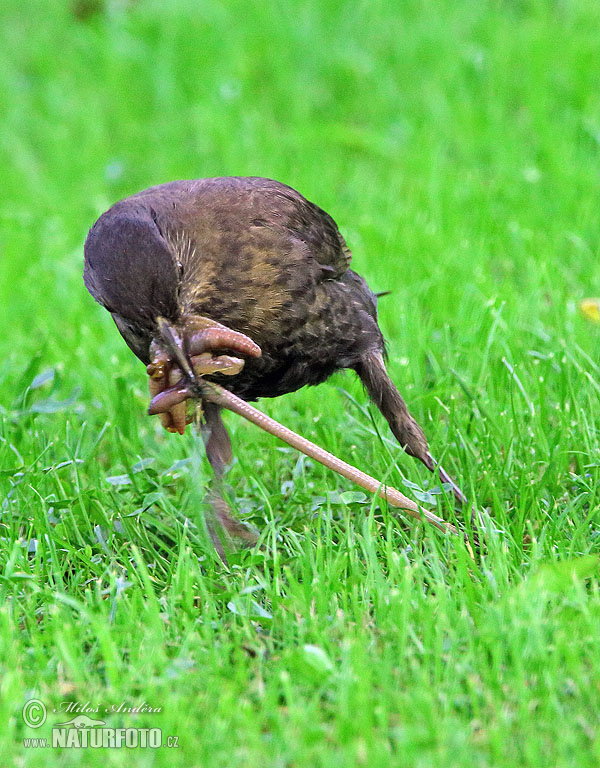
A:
(252, 283)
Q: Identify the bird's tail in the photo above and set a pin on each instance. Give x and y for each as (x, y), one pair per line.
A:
(406, 430)
(383, 393)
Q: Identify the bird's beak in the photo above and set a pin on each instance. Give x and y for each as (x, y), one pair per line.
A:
(170, 368)
(175, 348)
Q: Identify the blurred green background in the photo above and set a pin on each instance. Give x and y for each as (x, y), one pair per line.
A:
(457, 145)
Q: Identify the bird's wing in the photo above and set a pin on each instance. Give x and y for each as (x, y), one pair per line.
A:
(287, 210)
(213, 212)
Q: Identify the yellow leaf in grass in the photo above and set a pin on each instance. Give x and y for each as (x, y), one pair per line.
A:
(590, 308)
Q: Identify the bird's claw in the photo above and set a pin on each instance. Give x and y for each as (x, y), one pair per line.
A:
(169, 393)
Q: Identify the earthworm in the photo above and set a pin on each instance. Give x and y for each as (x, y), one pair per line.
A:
(211, 339)
(216, 394)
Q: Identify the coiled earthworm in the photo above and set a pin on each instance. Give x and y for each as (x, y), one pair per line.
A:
(212, 339)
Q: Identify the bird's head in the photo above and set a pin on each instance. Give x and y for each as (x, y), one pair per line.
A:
(132, 270)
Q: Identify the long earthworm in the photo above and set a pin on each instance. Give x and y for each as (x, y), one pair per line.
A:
(220, 396)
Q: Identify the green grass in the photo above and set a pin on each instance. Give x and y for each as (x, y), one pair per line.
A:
(457, 145)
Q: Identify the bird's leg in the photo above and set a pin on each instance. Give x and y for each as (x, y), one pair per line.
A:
(383, 393)
(216, 440)
(219, 454)
(179, 360)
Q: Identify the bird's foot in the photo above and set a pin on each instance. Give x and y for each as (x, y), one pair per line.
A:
(200, 340)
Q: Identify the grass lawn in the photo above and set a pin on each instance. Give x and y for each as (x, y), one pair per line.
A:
(457, 144)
